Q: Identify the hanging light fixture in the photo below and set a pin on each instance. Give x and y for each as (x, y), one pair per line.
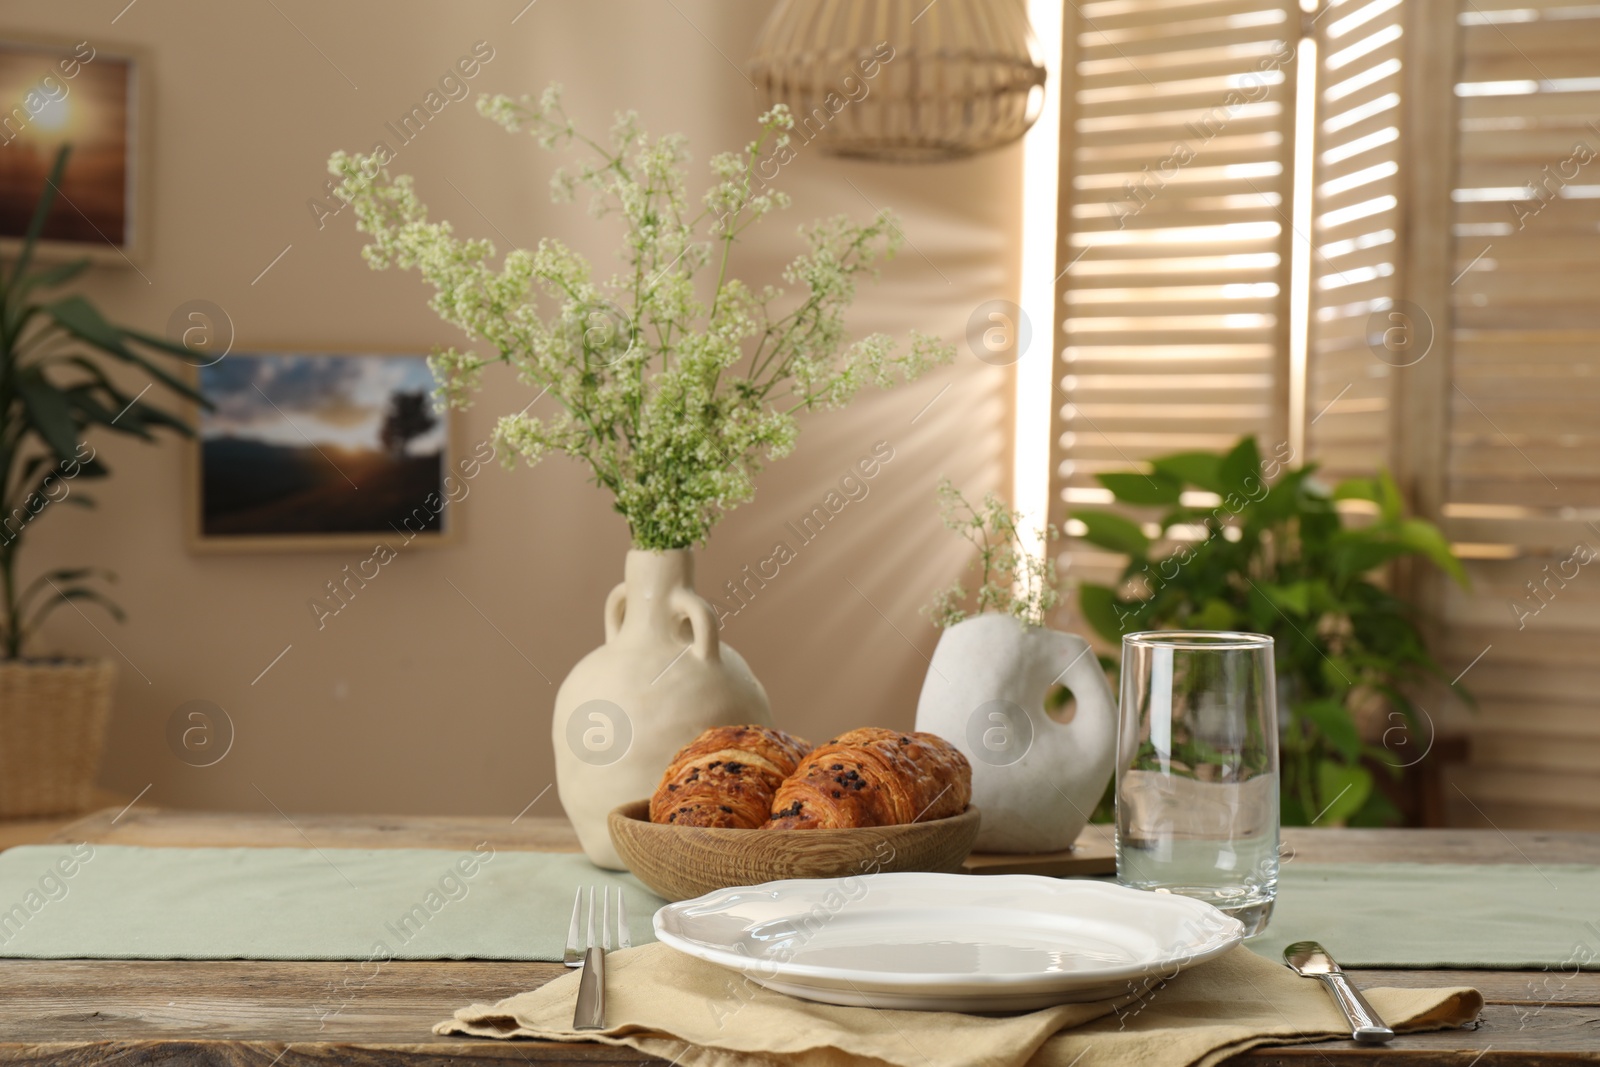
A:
(907, 81)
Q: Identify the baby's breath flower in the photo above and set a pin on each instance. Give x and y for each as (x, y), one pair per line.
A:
(457, 374)
(1014, 581)
(674, 399)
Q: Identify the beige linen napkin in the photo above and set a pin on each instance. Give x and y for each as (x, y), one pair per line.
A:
(666, 1004)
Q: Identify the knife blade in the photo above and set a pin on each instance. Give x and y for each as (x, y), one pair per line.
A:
(1310, 960)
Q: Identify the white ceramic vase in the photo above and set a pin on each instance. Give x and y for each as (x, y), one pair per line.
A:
(1035, 780)
(661, 678)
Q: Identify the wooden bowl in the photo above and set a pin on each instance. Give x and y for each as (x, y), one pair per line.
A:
(680, 862)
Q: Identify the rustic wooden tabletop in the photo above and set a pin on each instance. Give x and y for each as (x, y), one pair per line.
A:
(64, 1013)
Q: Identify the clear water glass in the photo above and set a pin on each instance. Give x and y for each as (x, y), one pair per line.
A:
(1197, 770)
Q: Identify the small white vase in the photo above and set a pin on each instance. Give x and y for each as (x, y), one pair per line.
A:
(661, 678)
(1035, 780)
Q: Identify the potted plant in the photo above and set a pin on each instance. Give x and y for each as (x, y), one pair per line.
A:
(54, 353)
(1274, 555)
(674, 382)
(994, 678)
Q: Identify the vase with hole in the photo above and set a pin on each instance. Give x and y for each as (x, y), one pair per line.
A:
(1035, 778)
(663, 676)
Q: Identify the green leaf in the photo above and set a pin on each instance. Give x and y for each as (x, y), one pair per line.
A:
(1241, 468)
(1420, 535)
(128, 407)
(1336, 725)
(1320, 597)
(172, 348)
(1113, 532)
(1134, 488)
(1342, 789)
(1185, 515)
(1378, 811)
(77, 592)
(1099, 606)
(151, 415)
(1286, 498)
(78, 317)
(93, 468)
(29, 467)
(1390, 504)
(51, 277)
(1355, 552)
(41, 210)
(68, 574)
(1295, 597)
(1338, 673)
(1200, 469)
(1264, 616)
(97, 376)
(1215, 615)
(50, 414)
(1356, 489)
(59, 576)
(1385, 758)
(126, 421)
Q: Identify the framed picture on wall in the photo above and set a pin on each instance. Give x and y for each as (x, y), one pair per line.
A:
(319, 450)
(88, 95)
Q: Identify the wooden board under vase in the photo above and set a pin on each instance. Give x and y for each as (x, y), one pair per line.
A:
(1093, 854)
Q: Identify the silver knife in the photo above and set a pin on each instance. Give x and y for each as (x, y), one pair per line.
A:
(1311, 960)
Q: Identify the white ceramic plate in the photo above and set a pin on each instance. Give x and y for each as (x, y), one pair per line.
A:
(948, 942)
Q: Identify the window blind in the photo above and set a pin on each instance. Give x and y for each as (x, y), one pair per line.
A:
(1177, 131)
(1361, 330)
(1452, 332)
(1520, 483)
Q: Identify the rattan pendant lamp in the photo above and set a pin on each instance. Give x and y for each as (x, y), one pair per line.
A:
(909, 81)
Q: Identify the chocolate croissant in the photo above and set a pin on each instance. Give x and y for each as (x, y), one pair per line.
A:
(726, 777)
(874, 777)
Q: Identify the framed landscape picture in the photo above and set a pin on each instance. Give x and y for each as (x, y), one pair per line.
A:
(313, 450)
(88, 95)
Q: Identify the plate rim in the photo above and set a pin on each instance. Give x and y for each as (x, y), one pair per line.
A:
(1231, 935)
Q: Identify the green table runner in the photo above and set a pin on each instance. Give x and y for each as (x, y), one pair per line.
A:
(1505, 916)
(120, 902)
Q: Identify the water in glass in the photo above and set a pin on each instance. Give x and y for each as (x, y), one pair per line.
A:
(1197, 770)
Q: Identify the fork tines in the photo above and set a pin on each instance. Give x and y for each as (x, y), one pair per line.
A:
(584, 918)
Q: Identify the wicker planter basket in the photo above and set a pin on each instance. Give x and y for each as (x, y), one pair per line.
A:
(53, 719)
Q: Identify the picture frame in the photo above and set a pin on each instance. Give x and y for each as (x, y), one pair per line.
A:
(91, 94)
(280, 463)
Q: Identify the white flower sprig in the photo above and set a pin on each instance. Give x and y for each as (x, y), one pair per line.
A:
(674, 401)
(1016, 581)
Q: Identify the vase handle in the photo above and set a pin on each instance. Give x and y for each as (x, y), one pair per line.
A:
(616, 605)
(701, 621)
(1094, 727)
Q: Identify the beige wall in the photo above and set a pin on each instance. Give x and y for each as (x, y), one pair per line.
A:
(409, 701)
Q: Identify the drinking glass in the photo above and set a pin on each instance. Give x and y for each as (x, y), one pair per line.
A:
(1197, 770)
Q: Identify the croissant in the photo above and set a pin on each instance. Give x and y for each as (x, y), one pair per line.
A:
(874, 777)
(726, 777)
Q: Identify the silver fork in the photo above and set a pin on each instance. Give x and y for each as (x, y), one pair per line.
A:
(591, 1010)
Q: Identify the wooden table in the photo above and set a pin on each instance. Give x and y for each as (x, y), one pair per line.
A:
(43, 827)
(63, 1013)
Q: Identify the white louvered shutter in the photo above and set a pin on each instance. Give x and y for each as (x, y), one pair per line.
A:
(1520, 484)
(1177, 132)
(1361, 330)
(1454, 318)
